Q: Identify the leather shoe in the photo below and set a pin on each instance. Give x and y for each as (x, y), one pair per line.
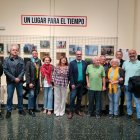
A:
(32, 113)
(79, 113)
(8, 114)
(70, 115)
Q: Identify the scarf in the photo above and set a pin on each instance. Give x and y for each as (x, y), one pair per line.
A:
(46, 72)
(113, 87)
(36, 64)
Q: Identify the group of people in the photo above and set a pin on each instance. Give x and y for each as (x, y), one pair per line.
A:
(105, 84)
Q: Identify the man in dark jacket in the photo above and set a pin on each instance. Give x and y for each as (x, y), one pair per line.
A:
(1, 72)
(77, 77)
(119, 55)
(33, 81)
(14, 70)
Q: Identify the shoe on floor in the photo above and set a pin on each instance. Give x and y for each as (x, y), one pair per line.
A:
(98, 116)
(110, 116)
(22, 112)
(138, 122)
(70, 115)
(1, 117)
(8, 114)
(31, 113)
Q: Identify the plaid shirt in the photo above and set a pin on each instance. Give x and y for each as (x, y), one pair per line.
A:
(60, 76)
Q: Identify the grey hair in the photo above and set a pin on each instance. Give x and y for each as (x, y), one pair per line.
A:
(115, 60)
(14, 45)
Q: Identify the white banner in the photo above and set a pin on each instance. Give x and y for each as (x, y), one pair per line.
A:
(45, 20)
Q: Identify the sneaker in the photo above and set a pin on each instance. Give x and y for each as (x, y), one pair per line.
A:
(22, 112)
(57, 115)
(98, 116)
(1, 117)
(138, 122)
(8, 114)
(110, 116)
(31, 113)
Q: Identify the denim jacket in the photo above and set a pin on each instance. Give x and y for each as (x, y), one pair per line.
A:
(13, 68)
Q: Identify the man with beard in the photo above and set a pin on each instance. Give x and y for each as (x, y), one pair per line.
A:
(119, 56)
(77, 77)
(132, 68)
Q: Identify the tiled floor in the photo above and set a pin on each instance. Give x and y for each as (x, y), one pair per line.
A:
(43, 127)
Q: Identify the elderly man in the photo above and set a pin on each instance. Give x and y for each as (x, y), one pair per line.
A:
(95, 77)
(77, 77)
(14, 70)
(119, 55)
(132, 68)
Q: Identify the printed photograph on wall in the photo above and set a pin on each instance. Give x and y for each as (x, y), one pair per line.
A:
(1, 59)
(44, 44)
(71, 59)
(74, 48)
(1, 48)
(43, 54)
(60, 54)
(125, 53)
(91, 50)
(107, 50)
(61, 44)
(28, 48)
(8, 48)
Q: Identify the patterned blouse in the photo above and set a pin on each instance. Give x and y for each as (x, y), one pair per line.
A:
(60, 76)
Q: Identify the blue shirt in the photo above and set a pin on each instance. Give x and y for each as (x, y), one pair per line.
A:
(131, 69)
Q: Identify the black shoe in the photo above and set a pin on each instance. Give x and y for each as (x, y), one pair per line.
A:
(110, 116)
(36, 110)
(129, 116)
(32, 113)
(1, 117)
(22, 112)
(8, 114)
(138, 122)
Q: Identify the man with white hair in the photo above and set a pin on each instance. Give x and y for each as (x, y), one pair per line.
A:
(95, 77)
(132, 68)
(14, 70)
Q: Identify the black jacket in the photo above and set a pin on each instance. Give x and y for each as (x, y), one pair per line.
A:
(73, 72)
(31, 71)
(13, 68)
(1, 69)
(134, 85)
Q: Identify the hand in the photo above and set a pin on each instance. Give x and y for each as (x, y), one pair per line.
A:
(73, 86)
(17, 80)
(31, 85)
(41, 89)
(121, 79)
(88, 85)
(103, 88)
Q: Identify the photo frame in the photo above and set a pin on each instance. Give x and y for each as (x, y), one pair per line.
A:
(61, 44)
(44, 44)
(1, 48)
(28, 48)
(91, 50)
(43, 54)
(74, 48)
(60, 54)
(107, 50)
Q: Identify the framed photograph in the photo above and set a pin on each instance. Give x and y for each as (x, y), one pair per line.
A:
(74, 48)
(1, 48)
(71, 59)
(8, 48)
(28, 48)
(1, 59)
(26, 59)
(44, 44)
(43, 54)
(60, 54)
(61, 44)
(107, 50)
(91, 50)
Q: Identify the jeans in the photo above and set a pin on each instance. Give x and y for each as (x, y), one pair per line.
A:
(48, 98)
(77, 92)
(10, 92)
(129, 96)
(94, 96)
(31, 99)
(114, 102)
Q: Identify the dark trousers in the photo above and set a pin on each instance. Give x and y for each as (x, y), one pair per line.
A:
(77, 92)
(94, 97)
